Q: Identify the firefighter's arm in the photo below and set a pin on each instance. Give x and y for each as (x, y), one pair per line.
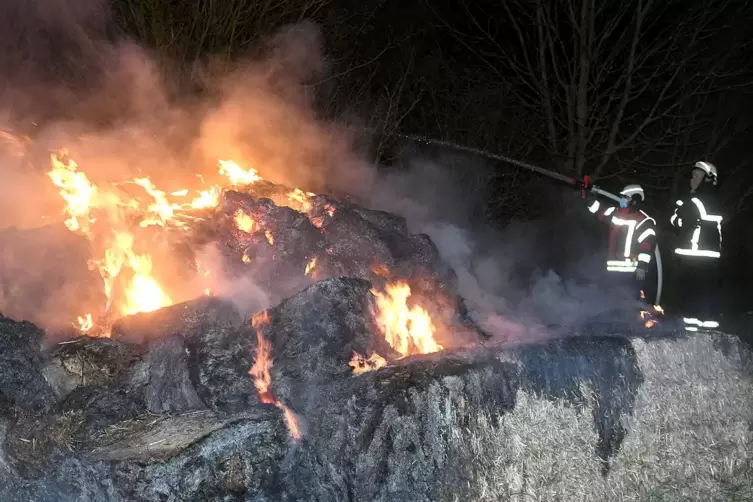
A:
(687, 213)
(599, 208)
(646, 241)
(676, 219)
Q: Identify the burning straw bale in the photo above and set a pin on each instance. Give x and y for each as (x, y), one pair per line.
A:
(21, 382)
(87, 361)
(284, 250)
(183, 417)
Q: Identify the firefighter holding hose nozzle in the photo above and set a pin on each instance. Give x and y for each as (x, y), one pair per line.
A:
(698, 223)
(632, 241)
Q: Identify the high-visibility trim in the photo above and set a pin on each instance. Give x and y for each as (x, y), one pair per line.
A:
(691, 328)
(709, 217)
(594, 207)
(621, 265)
(609, 211)
(644, 257)
(646, 233)
(698, 252)
(692, 321)
(631, 228)
(695, 238)
(645, 219)
(674, 216)
(632, 190)
(620, 269)
(702, 211)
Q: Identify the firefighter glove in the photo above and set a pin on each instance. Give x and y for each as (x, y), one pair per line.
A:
(640, 273)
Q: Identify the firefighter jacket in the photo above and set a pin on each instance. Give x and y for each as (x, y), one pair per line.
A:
(632, 236)
(698, 221)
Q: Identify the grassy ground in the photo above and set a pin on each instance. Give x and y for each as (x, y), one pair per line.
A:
(690, 438)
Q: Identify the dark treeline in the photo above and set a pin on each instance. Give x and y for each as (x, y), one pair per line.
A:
(618, 90)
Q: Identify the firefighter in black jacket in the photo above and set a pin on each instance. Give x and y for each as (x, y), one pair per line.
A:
(632, 242)
(698, 221)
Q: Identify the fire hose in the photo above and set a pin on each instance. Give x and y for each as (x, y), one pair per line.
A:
(583, 184)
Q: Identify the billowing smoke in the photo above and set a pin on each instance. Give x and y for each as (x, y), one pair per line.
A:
(70, 80)
(527, 280)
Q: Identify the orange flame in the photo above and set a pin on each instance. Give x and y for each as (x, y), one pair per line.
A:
(75, 188)
(206, 198)
(263, 363)
(318, 221)
(85, 323)
(237, 175)
(245, 223)
(361, 364)
(260, 371)
(130, 286)
(381, 270)
(408, 331)
(648, 317)
(311, 267)
(301, 199)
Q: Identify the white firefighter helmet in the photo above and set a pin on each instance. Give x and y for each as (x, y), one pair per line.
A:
(709, 169)
(631, 191)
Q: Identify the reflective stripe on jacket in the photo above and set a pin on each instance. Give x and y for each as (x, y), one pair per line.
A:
(700, 226)
(632, 237)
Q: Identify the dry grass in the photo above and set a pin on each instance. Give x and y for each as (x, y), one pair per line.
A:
(31, 441)
(690, 437)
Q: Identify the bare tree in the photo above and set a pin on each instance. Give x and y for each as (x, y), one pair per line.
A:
(607, 79)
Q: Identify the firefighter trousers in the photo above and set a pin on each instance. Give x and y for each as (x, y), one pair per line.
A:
(698, 287)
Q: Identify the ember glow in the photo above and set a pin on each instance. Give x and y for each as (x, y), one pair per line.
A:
(85, 323)
(260, 371)
(408, 330)
(311, 268)
(246, 223)
(649, 318)
(120, 223)
(361, 364)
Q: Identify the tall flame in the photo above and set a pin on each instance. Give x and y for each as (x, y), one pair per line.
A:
(260, 371)
(75, 188)
(130, 285)
(407, 330)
